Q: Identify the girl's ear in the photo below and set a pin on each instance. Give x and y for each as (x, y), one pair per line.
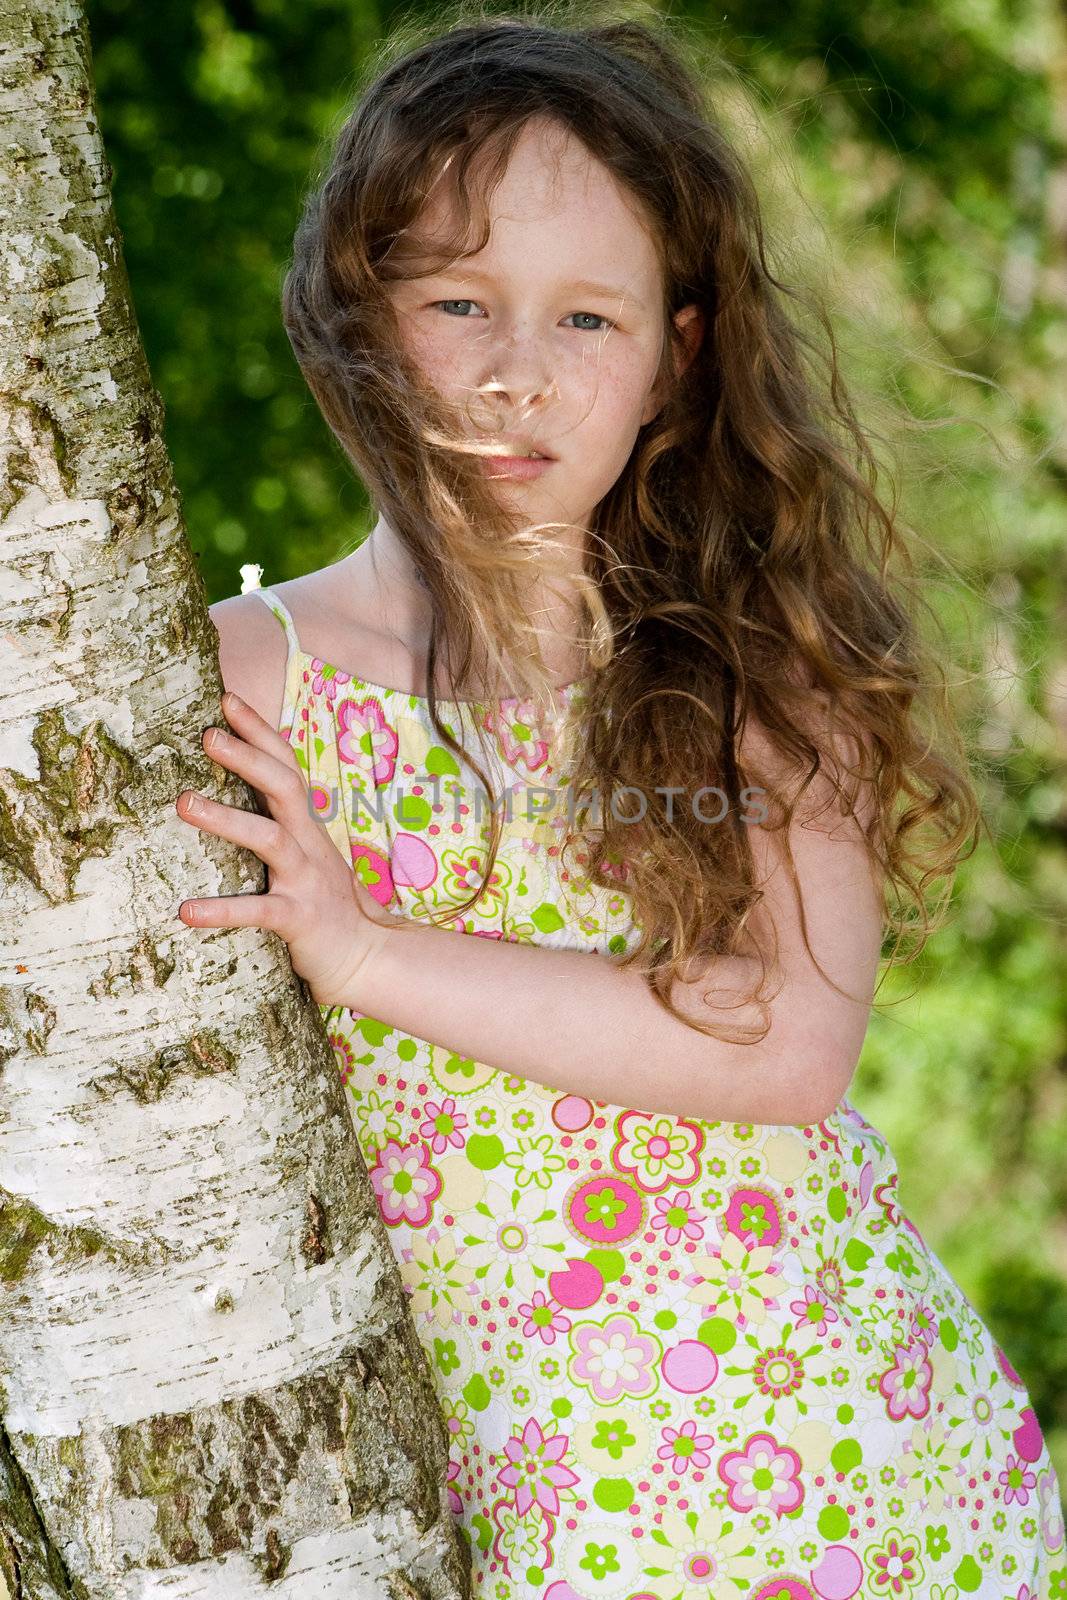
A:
(690, 324)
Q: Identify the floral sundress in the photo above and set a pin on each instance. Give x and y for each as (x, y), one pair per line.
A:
(677, 1359)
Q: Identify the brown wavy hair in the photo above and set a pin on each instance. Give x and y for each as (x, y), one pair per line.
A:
(739, 575)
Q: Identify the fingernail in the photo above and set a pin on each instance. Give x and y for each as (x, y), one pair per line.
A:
(232, 700)
(194, 805)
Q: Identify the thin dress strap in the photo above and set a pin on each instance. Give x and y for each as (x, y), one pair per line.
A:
(281, 611)
(292, 660)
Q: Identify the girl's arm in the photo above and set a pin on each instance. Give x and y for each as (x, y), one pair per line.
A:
(575, 1022)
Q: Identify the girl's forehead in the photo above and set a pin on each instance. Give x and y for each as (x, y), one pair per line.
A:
(569, 218)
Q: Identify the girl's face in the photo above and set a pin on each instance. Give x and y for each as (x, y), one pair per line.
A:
(558, 320)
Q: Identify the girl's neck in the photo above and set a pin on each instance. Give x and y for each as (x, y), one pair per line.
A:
(380, 585)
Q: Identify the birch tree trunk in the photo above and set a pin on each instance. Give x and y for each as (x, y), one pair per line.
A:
(209, 1381)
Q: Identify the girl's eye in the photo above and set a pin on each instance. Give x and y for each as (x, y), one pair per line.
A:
(595, 315)
(596, 318)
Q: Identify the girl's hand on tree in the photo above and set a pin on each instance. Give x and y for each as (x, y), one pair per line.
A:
(315, 901)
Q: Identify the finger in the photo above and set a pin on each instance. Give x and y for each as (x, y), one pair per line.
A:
(237, 911)
(246, 721)
(278, 779)
(270, 841)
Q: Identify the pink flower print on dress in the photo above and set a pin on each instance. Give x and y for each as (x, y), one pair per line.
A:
(656, 1150)
(366, 740)
(323, 801)
(543, 1318)
(406, 1183)
(764, 1475)
(605, 1209)
(444, 1125)
(514, 729)
(812, 1312)
(521, 1542)
(778, 1372)
(455, 1504)
(326, 679)
(372, 870)
(462, 873)
(677, 1218)
(753, 1215)
(886, 1196)
(613, 1358)
(684, 1447)
(906, 1385)
(343, 1053)
(924, 1323)
(535, 1468)
(1017, 1480)
(896, 1566)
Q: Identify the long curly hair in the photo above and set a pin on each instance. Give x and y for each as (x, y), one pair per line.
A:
(742, 572)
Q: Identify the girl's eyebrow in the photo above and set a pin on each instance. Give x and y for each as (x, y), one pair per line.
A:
(588, 285)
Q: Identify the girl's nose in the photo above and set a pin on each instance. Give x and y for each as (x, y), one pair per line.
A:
(515, 396)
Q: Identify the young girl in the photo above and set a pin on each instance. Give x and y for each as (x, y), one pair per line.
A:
(685, 1340)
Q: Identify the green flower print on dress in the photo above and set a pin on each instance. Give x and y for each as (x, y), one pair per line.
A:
(535, 1162)
(614, 1443)
(601, 1563)
(600, 1559)
(375, 1119)
(613, 1437)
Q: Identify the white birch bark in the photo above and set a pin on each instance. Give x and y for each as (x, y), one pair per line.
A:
(210, 1385)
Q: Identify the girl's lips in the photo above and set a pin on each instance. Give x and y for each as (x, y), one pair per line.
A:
(520, 467)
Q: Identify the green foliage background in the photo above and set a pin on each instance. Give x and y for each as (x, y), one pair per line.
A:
(914, 162)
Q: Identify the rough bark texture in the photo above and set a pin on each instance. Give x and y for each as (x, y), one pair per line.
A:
(209, 1381)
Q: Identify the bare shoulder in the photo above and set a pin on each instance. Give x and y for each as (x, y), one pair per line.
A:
(842, 784)
(252, 653)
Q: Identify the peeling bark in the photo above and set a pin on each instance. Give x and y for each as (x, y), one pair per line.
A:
(209, 1381)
